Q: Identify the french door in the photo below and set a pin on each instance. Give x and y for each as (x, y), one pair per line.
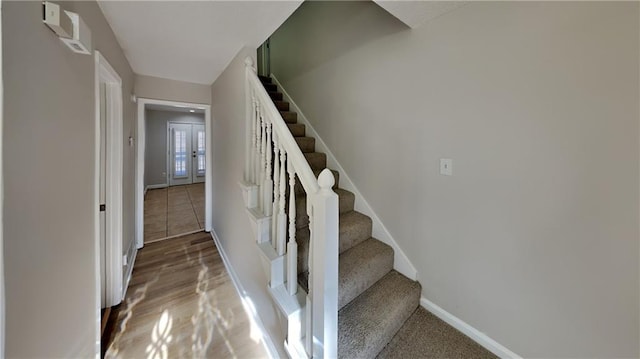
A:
(187, 153)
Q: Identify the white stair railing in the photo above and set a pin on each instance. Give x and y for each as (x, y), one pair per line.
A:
(274, 160)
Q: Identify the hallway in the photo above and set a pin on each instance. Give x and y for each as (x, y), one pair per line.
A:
(181, 302)
(173, 211)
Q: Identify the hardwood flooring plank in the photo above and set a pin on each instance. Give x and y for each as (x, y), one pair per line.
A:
(181, 303)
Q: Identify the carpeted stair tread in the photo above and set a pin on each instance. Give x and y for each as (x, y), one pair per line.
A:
(275, 95)
(297, 129)
(289, 117)
(353, 228)
(369, 322)
(346, 202)
(362, 266)
(306, 144)
(317, 160)
(281, 105)
(424, 335)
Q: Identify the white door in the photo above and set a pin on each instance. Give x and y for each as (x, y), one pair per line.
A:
(180, 162)
(198, 153)
(103, 194)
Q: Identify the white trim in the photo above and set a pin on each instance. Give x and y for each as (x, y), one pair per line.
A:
(2, 297)
(473, 333)
(114, 147)
(401, 262)
(267, 341)
(140, 188)
(133, 254)
(153, 186)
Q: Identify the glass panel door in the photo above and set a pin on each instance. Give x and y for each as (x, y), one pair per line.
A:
(180, 148)
(198, 153)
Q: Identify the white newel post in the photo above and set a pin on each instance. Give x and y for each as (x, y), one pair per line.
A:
(324, 248)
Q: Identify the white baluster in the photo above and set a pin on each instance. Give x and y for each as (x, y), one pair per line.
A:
(254, 138)
(256, 164)
(276, 192)
(292, 246)
(263, 159)
(281, 241)
(268, 181)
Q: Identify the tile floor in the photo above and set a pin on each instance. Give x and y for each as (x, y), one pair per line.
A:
(173, 211)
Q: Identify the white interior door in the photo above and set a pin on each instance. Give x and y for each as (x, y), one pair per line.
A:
(103, 195)
(180, 162)
(198, 152)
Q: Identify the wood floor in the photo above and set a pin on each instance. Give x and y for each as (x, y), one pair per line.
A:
(173, 211)
(181, 303)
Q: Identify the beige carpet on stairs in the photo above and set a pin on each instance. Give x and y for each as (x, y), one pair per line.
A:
(379, 313)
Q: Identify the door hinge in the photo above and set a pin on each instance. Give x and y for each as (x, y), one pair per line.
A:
(103, 207)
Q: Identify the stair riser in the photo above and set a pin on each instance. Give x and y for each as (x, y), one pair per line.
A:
(317, 160)
(281, 105)
(270, 87)
(352, 234)
(276, 96)
(297, 130)
(264, 79)
(306, 144)
(362, 266)
(289, 117)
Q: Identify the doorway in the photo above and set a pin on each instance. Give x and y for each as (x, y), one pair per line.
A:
(187, 146)
(108, 184)
(172, 170)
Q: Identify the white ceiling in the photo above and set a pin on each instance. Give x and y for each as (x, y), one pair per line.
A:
(191, 41)
(417, 13)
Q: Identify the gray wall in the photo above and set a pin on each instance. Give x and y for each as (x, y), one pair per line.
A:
(164, 89)
(534, 239)
(230, 220)
(155, 155)
(49, 181)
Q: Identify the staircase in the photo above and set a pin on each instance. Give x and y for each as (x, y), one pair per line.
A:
(374, 300)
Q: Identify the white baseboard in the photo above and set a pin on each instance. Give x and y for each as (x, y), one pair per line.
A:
(155, 186)
(401, 262)
(473, 333)
(132, 254)
(267, 341)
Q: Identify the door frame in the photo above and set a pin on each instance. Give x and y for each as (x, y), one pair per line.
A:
(104, 72)
(140, 152)
(2, 297)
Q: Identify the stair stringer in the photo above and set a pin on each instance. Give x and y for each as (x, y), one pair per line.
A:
(401, 262)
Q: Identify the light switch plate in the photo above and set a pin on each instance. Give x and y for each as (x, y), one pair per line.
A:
(446, 167)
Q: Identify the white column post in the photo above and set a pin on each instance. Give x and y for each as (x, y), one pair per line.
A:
(325, 268)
